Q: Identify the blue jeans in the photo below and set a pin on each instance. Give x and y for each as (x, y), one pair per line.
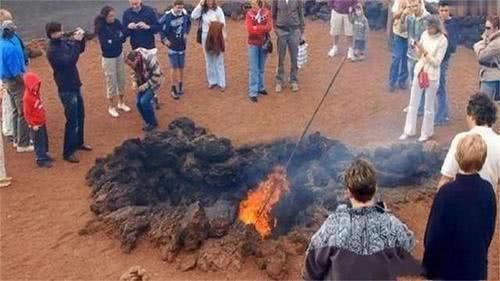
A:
(145, 107)
(75, 120)
(256, 66)
(490, 88)
(442, 97)
(41, 142)
(399, 66)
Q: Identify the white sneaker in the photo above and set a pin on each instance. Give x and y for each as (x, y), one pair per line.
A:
(350, 54)
(5, 184)
(423, 139)
(333, 51)
(112, 111)
(124, 107)
(404, 137)
(405, 110)
(22, 149)
(278, 88)
(14, 144)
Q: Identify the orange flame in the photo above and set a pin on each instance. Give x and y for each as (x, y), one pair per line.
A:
(256, 208)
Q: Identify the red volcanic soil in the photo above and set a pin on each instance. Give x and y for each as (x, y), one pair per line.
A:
(42, 212)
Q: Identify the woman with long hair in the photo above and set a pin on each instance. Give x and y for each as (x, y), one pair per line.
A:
(111, 38)
(259, 22)
(213, 37)
(430, 52)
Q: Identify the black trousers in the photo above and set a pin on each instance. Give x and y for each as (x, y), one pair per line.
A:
(75, 121)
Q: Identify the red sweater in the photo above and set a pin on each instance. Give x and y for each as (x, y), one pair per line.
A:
(34, 113)
(257, 30)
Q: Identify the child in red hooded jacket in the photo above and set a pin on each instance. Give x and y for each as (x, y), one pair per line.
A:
(35, 117)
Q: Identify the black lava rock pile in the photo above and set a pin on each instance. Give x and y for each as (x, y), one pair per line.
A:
(181, 188)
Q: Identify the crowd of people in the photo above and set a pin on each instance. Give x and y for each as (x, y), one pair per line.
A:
(365, 233)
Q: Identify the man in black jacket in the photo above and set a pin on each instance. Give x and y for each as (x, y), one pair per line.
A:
(63, 54)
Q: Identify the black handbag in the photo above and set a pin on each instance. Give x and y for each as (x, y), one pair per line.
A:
(199, 32)
(267, 46)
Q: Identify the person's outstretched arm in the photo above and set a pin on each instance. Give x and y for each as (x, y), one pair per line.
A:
(196, 13)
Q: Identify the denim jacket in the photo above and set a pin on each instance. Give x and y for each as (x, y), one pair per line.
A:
(415, 27)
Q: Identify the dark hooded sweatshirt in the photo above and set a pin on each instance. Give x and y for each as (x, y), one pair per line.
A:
(111, 38)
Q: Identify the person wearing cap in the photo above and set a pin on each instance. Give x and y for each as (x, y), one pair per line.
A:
(488, 54)
(462, 219)
(63, 54)
(430, 50)
(12, 69)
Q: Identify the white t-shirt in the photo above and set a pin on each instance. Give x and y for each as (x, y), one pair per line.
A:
(491, 168)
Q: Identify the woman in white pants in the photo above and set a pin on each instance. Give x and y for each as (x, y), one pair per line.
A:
(431, 50)
(208, 11)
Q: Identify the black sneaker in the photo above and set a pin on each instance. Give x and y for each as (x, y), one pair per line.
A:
(254, 99)
(44, 164)
(174, 93)
(71, 159)
(392, 88)
(149, 127)
(263, 92)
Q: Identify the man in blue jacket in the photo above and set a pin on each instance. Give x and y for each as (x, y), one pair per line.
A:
(63, 54)
(12, 69)
(453, 33)
(175, 26)
(141, 24)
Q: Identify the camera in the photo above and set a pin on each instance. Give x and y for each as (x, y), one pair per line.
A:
(86, 35)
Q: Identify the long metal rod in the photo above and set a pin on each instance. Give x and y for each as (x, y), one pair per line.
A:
(315, 112)
(268, 199)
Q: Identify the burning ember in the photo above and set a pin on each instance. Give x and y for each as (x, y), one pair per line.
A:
(256, 209)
